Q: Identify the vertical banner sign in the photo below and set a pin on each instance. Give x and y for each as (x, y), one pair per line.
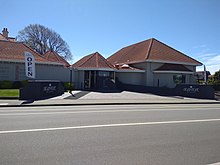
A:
(29, 65)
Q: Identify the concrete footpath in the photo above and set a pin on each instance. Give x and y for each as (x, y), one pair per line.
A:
(102, 98)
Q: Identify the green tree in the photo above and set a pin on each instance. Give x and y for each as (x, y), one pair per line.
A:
(43, 39)
(215, 79)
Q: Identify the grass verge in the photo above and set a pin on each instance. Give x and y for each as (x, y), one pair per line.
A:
(9, 92)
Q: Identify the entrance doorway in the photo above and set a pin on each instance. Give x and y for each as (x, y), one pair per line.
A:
(99, 80)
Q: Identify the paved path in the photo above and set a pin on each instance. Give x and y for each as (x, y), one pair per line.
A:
(125, 97)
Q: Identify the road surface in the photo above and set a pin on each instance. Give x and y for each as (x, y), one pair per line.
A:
(111, 135)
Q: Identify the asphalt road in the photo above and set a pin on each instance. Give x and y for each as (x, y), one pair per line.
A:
(110, 135)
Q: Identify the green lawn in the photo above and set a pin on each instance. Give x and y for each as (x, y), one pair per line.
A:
(9, 92)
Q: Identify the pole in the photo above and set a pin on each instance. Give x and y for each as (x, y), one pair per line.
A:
(71, 74)
(205, 75)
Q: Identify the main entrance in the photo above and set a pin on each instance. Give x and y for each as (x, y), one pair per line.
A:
(99, 80)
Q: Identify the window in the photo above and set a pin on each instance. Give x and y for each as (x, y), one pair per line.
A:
(178, 79)
(104, 74)
(4, 72)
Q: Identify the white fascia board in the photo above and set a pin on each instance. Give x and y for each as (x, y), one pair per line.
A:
(172, 62)
(170, 71)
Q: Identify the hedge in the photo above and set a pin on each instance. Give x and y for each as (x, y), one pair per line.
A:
(12, 84)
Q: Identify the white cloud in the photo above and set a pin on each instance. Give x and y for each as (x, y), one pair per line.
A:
(211, 61)
(200, 46)
(207, 56)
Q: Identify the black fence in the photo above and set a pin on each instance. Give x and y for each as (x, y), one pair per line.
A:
(41, 89)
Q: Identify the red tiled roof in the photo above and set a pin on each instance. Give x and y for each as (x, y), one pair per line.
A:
(14, 51)
(173, 67)
(94, 60)
(151, 49)
(54, 57)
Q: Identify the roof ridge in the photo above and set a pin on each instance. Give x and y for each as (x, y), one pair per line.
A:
(106, 61)
(149, 48)
(89, 57)
(178, 51)
(32, 50)
(137, 43)
(133, 46)
(96, 59)
(56, 55)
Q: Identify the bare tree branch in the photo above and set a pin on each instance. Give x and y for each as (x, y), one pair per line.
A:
(43, 39)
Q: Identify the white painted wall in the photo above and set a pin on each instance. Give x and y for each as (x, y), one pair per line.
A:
(12, 71)
(78, 79)
(165, 80)
(52, 72)
(130, 78)
(16, 72)
(149, 67)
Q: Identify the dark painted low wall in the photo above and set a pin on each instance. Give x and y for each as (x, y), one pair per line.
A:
(216, 87)
(185, 90)
(195, 91)
(41, 89)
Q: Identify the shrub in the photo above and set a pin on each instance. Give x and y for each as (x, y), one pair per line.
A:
(24, 83)
(215, 79)
(12, 84)
(67, 86)
(16, 84)
(6, 84)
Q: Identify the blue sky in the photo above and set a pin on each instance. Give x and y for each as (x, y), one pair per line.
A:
(190, 26)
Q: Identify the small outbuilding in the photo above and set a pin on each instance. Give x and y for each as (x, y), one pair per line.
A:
(94, 72)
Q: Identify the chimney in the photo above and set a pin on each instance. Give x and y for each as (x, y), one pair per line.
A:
(5, 32)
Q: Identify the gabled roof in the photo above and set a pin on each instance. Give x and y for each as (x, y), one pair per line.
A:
(54, 57)
(173, 67)
(150, 50)
(14, 51)
(94, 60)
